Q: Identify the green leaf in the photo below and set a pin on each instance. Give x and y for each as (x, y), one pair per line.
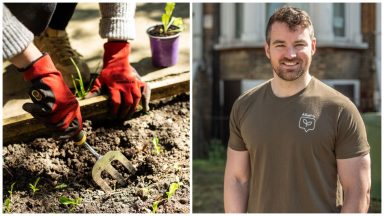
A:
(169, 7)
(34, 186)
(168, 20)
(165, 20)
(7, 205)
(156, 145)
(80, 92)
(61, 186)
(155, 205)
(67, 201)
(178, 22)
(172, 189)
(11, 190)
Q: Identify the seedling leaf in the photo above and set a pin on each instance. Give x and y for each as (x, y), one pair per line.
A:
(7, 205)
(172, 189)
(61, 186)
(8, 201)
(79, 91)
(71, 202)
(66, 201)
(34, 186)
(11, 190)
(155, 205)
(168, 20)
(156, 145)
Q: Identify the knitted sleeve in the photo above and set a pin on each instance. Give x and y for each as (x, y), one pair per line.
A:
(117, 21)
(16, 37)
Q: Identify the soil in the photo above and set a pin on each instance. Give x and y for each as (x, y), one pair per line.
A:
(158, 31)
(58, 162)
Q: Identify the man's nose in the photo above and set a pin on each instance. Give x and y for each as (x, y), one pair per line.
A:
(291, 52)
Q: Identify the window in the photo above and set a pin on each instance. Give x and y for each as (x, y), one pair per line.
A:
(339, 19)
(239, 20)
(349, 88)
(336, 24)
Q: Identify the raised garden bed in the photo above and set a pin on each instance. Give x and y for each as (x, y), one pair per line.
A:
(58, 162)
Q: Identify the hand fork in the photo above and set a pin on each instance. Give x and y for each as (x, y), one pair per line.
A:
(103, 163)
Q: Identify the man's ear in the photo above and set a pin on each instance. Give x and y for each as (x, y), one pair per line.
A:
(313, 46)
(266, 49)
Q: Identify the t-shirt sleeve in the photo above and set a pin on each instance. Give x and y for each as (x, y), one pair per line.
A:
(235, 141)
(351, 138)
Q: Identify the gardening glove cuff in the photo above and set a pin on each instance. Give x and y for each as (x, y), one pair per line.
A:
(120, 79)
(53, 102)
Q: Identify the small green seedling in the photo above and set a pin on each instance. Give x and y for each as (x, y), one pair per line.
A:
(172, 189)
(156, 145)
(8, 201)
(11, 190)
(61, 186)
(70, 202)
(155, 205)
(34, 187)
(7, 205)
(168, 20)
(80, 92)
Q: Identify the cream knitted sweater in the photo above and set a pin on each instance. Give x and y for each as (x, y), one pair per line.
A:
(117, 22)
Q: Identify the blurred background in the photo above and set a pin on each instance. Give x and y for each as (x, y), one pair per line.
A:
(228, 59)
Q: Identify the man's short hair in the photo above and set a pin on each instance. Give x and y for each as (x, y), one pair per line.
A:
(293, 17)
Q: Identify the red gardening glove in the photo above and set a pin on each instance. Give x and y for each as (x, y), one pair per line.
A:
(121, 80)
(53, 102)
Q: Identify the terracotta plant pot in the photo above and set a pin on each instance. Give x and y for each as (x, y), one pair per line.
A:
(164, 49)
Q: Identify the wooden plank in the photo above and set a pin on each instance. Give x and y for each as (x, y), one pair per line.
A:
(22, 125)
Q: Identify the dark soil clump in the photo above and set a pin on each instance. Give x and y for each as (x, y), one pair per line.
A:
(59, 162)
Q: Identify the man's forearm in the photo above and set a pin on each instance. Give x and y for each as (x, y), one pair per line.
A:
(235, 196)
(356, 202)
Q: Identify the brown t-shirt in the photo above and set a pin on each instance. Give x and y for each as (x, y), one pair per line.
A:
(293, 144)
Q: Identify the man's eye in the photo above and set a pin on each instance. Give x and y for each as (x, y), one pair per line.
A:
(279, 45)
(300, 45)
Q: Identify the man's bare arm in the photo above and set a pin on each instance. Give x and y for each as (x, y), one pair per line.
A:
(355, 178)
(236, 181)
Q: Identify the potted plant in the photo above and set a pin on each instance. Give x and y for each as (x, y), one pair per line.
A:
(164, 38)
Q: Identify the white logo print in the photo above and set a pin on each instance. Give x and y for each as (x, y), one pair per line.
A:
(307, 122)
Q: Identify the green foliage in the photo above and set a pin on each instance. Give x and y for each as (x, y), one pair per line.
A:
(217, 151)
(70, 202)
(34, 187)
(7, 203)
(172, 189)
(168, 20)
(155, 205)
(11, 190)
(80, 91)
(61, 186)
(156, 145)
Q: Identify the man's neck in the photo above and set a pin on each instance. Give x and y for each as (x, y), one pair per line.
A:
(282, 88)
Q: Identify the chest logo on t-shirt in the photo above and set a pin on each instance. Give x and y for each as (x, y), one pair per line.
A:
(307, 122)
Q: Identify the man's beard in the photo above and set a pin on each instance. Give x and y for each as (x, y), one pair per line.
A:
(290, 74)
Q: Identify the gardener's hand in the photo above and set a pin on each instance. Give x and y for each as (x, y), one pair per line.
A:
(53, 102)
(121, 80)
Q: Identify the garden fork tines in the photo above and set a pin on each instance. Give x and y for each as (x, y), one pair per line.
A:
(103, 163)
